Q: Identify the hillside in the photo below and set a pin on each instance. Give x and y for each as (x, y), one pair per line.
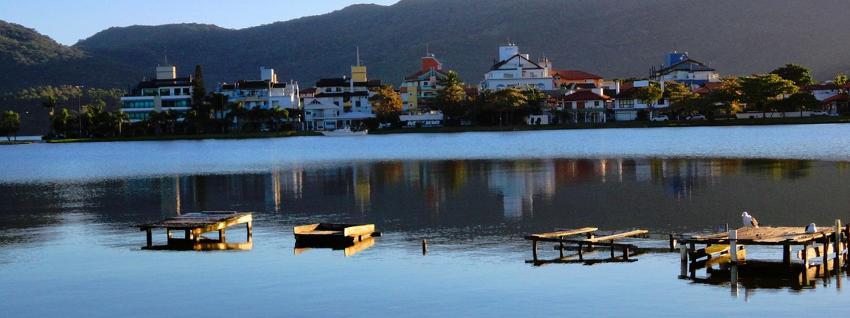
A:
(611, 37)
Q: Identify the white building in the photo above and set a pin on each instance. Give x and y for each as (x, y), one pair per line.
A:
(678, 67)
(340, 102)
(165, 92)
(517, 70)
(627, 106)
(265, 93)
(822, 91)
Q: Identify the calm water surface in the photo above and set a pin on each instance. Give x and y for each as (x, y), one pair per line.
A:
(69, 248)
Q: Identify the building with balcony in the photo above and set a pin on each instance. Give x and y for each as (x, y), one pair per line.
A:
(166, 92)
(340, 102)
(678, 67)
(265, 93)
(515, 70)
(627, 106)
(419, 90)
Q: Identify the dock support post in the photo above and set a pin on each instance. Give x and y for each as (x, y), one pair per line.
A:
(612, 249)
(826, 255)
(673, 243)
(425, 248)
(733, 246)
(561, 248)
(625, 253)
(734, 278)
(580, 256)
(222, 236)
(683, 256)
(533, 249)
(249, 228)
(805, 259)
(149, 237)
(786, 255)
(837, 246)
(590, 236)
(168, 234)
(188, 235)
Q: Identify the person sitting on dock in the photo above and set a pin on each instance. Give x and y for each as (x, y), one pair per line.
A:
(749, 220)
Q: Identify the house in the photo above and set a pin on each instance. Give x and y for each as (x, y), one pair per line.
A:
(518, 71)
(628, 107)
(265, 93)
(340, 102)
(678, 67)
(418, 90)
(822, 91)
(837, 104)
(587, 105)
(166, 92)
(566, 78)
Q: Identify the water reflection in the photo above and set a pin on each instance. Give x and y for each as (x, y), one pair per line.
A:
(535, 194)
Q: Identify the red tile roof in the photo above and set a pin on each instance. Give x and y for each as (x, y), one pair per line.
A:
(836, 98)
(584, 95)
(575, 75)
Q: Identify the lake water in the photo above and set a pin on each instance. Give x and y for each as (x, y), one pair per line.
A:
(68, 245)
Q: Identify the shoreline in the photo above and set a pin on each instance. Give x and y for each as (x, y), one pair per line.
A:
(457, 129)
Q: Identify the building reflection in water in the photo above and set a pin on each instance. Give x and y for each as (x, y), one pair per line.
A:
(519, 187)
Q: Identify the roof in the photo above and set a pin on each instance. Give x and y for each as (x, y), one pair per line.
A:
(415, 76)
(180, 81)
(708, 87)
(626, 93)
(502, 63)
(584, 95)
(309, 91)
(820, 87)
(343, 82)
(251, 84)
(575, 75)
(836, 98)
(688, 65)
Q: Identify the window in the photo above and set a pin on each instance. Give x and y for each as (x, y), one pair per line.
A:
(336, 103)
(164, 92)
(186, 91)
(357, 103)
(508, 75)
(176, 92)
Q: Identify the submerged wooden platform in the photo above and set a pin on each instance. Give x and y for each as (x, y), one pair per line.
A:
(333, 233)
(197, 223)
(568, 237)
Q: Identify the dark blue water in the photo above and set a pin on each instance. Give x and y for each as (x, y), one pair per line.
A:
(70, 249)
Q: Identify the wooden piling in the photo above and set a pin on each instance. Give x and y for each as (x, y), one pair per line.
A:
(786, 255)
(188, 235)
(673, 243)
(561, 249)
(149, 236)
(733, 246)
(612, 248)
(837, 242)
(825, 253)
(683, 256)
(249, 227)
(222, 236)
(169, 234)
(533, 249)
(425, 248)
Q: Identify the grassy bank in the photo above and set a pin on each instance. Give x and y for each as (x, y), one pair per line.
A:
(632, 124)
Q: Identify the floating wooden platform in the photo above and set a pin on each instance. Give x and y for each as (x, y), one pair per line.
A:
(590, 240)
(347, 250)
(197, 223)
(331, 233)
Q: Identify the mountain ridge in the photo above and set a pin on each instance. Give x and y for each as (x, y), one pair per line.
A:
(609, 37)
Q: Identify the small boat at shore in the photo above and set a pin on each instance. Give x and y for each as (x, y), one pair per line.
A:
(329, 233)
(345, 132)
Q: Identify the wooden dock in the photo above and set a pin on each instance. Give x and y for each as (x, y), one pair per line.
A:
(197, 223)
(572, 237)
(331, 233)
(828, 243)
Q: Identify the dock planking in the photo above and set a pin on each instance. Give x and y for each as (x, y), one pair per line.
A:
(196, 223)
(564, 237)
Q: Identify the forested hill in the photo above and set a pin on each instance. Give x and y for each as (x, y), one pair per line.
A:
(614, 38)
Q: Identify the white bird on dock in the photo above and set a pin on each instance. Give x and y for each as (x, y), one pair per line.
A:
(812, 228)
(749, 220)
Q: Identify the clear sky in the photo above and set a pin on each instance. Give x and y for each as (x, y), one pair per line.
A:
(68, 21)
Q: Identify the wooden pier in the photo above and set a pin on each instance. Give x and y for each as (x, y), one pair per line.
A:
(197, 223)
(571, 238)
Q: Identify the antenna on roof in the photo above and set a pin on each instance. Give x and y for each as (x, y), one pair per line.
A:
(166, 57)
(358, 55)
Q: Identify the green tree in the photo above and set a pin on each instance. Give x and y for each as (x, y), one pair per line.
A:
(451, 97)
(199, 91)
(507, 103)
(649, 95)
(801, 76)
(49, 103)
(60, 122)
(800, 101)
(10, 123)
(386, 104)
(840, 82)
(761, 91)
(682, 98)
